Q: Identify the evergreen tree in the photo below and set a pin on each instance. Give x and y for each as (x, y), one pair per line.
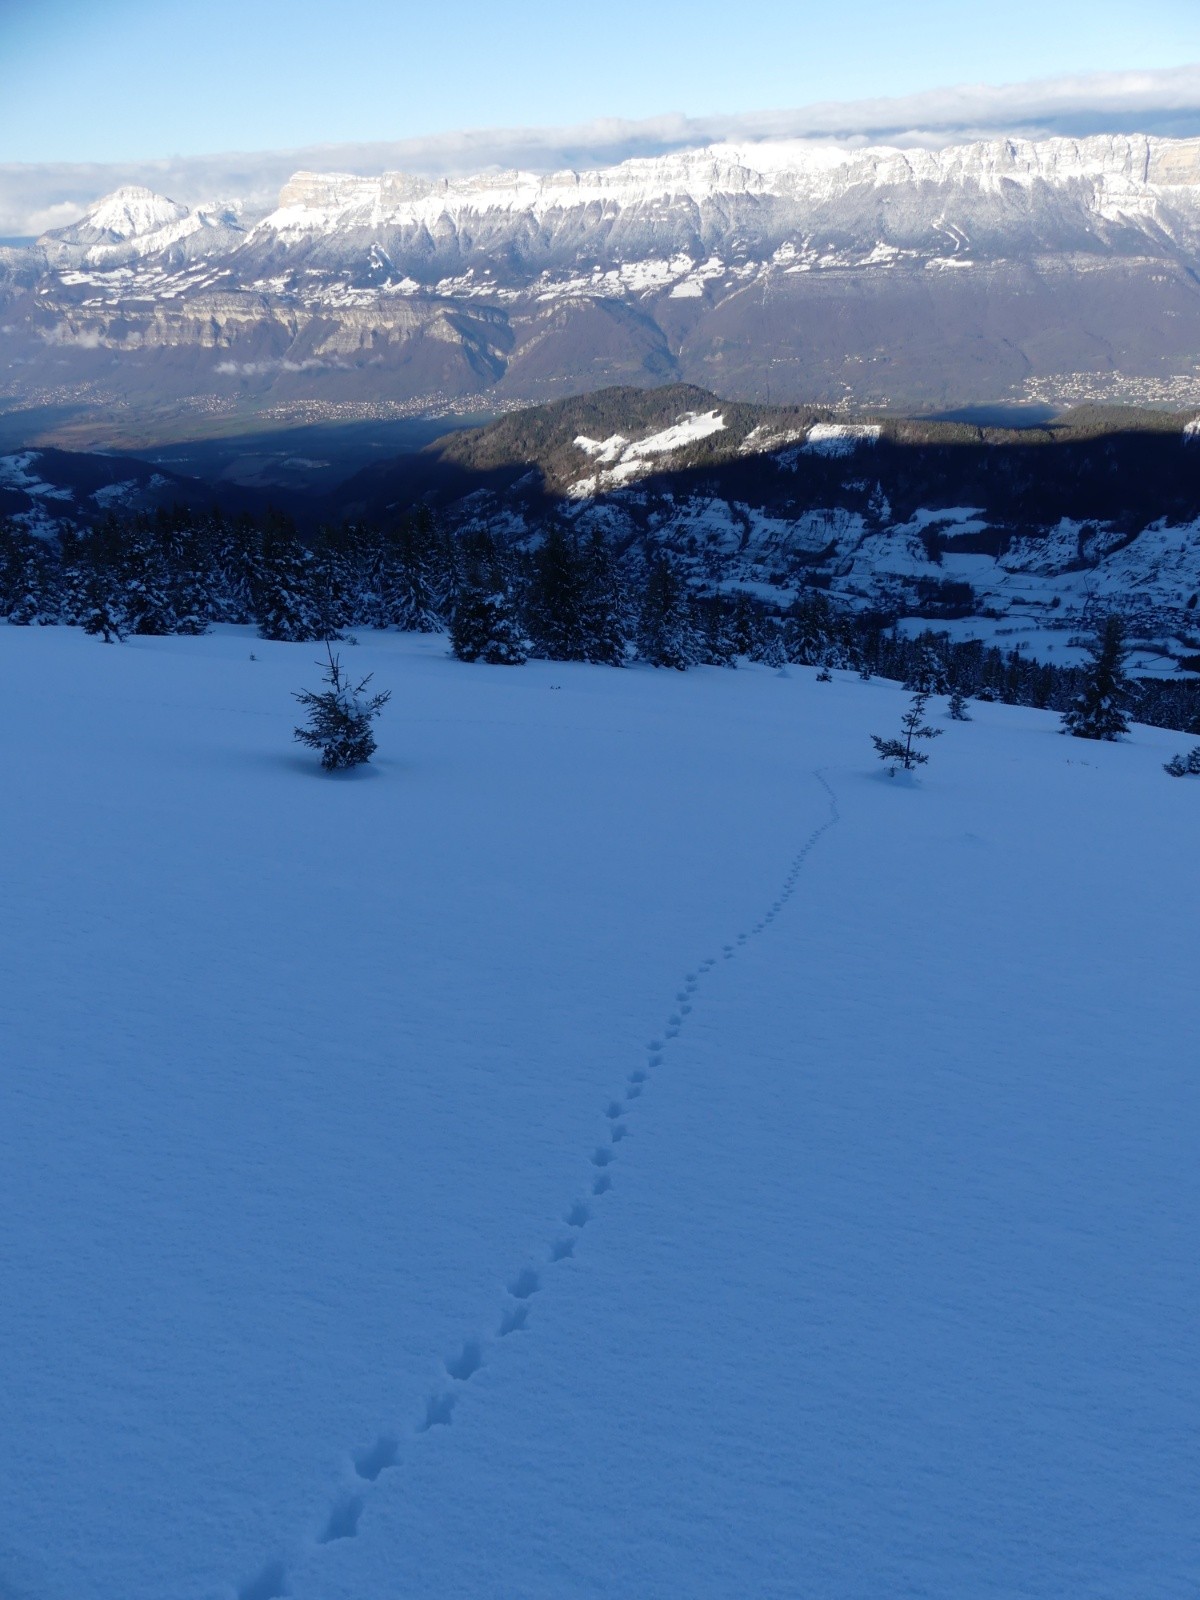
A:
(1181, 766)
(143, 577)
(556, 601)
(332, 580)
(769, 647)
(605, 608)
(747, 626)
(927, 671)
(413, 587)
(101, 611)
(340, 717)
(958, 706)
(285, 604)
(899, 752)
(808, 631)
(718, 645)
(666, 636)
(1098, 708)
(29, 588)
(485, 626)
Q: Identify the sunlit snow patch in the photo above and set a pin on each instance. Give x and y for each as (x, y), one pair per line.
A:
(839, 438)
(624, 459)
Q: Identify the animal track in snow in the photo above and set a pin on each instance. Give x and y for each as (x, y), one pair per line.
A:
(513, 1319)
(381, 1455)
(343, 1519)
(466, 1365)
(271, 1582)
(437, 1412)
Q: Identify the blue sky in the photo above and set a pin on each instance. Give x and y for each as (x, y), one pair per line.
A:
(131, 80)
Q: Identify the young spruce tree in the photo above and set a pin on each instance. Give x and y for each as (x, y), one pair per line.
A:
(900, 752)
(340, 717)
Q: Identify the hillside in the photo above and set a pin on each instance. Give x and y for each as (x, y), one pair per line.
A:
(622, 1144)
(1032, 528)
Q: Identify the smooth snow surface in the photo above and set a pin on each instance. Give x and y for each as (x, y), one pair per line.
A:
(825, 1144)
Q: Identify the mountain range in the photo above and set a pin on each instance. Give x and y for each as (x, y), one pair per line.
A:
(1000, 273)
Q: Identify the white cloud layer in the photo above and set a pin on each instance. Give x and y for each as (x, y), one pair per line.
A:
(36, 197)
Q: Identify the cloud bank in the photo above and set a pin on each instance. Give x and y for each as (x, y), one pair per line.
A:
(36, 197)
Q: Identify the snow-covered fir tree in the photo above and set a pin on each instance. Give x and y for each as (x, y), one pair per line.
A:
(808, 631)
(485, 626)
(28, 588)
(927, 671)
(769, 647)
(718, 639)
(340, 716)
(666, 634)
(1098, 711)
(957, 708)
(101, 612)
(285, 604)
(606, 618)
(1184, 766)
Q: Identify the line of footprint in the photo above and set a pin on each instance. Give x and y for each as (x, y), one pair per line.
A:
(370, 1463)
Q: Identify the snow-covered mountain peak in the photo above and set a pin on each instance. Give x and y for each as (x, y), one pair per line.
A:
(131, 213)
(134, 222)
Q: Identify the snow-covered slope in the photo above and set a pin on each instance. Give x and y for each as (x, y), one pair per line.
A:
(621, 1145)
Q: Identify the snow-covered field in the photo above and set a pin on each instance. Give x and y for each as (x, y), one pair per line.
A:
(826, 1145)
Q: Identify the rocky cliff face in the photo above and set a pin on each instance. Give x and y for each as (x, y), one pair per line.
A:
(995, 272)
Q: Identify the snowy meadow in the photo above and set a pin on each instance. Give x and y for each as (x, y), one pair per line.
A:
(618, 1143)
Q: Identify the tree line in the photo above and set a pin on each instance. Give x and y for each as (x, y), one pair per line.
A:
(566, 599)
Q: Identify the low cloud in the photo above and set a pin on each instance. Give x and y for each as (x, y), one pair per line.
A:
(36, 197)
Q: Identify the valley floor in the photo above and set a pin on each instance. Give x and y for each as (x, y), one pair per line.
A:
(622, 1144)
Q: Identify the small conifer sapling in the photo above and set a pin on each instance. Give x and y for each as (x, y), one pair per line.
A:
(958, 707)
(340, 717)
(900, 752)
(1184, 766)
